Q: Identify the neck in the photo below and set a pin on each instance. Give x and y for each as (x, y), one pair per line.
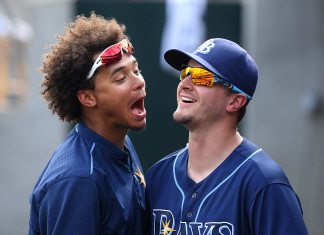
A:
(110, 133)
(209, 148)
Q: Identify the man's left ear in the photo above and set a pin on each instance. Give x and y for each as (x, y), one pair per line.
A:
(236, 102)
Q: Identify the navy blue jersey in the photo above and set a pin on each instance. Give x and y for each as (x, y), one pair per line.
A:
(90, 186)
(247, 194)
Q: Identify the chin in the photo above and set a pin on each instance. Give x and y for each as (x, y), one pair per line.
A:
(139, 126)
(181, 118)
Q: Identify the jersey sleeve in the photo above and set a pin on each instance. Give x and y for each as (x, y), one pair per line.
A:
(276, 210)
(70, 207)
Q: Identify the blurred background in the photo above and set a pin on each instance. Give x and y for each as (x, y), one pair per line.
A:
(286, 118)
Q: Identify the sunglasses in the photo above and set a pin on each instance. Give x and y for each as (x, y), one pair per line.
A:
(203, 77)
(111, 54)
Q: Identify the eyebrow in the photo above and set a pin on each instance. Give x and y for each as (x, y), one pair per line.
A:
(116, 70)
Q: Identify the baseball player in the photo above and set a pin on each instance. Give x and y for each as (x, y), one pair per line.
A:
(93, 183)
(220, 182)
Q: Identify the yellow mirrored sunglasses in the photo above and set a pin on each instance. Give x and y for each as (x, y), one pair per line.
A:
(203, 77)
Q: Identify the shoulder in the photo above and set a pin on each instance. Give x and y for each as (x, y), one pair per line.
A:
(74, 185)
(63, 188)
(65, 195)
(259, 165)
(267, 170)
(166, 161)
(72, 158)
(258, 172)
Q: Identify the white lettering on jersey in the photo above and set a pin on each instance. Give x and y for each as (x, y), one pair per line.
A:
(205, 48)
(163, 222)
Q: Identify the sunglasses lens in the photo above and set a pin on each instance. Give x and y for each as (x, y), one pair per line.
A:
(203, 77)
(199, 76)
(111, 54)
(114, 52)
(184, 73)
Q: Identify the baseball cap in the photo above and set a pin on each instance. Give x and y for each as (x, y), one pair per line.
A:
(222, 57)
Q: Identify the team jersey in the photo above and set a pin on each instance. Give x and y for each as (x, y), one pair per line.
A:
(90, 186)
(247, 194)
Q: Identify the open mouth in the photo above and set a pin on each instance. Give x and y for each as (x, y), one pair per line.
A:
(187, 100)
(138, 107)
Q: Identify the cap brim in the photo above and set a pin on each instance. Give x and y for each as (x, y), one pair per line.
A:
(177, 58)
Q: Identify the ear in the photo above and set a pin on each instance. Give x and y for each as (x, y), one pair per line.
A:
(236, 101)
(86, 98)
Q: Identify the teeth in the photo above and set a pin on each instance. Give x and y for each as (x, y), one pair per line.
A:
(186, 99)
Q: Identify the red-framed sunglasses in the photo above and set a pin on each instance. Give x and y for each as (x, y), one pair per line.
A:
(111, 54)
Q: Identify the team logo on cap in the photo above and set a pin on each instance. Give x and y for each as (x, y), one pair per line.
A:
(206, 46)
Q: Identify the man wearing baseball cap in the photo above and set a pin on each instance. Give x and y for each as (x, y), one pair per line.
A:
(220, 182)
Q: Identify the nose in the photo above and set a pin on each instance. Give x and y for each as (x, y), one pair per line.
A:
(140, 82)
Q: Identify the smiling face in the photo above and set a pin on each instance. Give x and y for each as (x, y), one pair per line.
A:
(199, 105)
(119, 95)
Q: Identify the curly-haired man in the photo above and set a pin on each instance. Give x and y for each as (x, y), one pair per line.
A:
(93, 183)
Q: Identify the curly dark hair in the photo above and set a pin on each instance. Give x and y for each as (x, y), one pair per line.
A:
(67, 64)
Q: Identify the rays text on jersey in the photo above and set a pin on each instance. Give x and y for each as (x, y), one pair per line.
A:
(164, 224)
